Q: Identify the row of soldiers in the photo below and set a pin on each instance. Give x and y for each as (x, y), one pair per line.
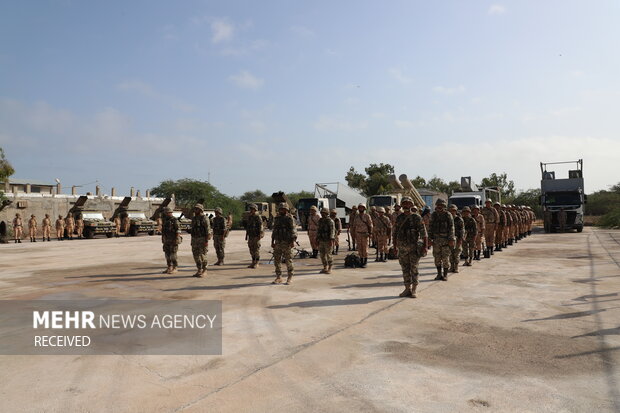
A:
(71, 224)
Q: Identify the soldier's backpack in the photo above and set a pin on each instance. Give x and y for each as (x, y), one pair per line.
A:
(352, 261)
(392, 254)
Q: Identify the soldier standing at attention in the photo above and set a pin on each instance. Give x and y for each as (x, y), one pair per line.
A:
(481, 227)
(507, 227)
(70, 225)
(333, 214)
(501, 223)
(373, 215)
(363, 229)
(79, 225)
(411, 239)
(313, 226)
(220, 232)
(47, 227)
(32, 228)
(471, 232)
(253, 233)
(459, 234)
(201, 234)
(383, 232)
(326, 232)
(283, 237)
(170, 238)
(441, 238)
(18, 228)
(352, 216)
(490, 219)
(60, 228)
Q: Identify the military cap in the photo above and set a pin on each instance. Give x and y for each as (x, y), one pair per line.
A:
(380, 209)
(440, 202)
(324, 211)
(406, 199)
(218, 209)
(253, 206)
(488, 200)
(167, 209)
(362, 206)
(452, 206)
(199, 206)
(283, 205)
(466, 209)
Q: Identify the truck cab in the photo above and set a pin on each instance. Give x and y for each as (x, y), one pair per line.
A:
(94, 222)
(562, 199)
(303, 208)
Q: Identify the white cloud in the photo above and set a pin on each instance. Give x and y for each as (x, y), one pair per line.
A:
(398, 74)
(303, 31)
(496, 9)
(331, 124)
(449, 90)
(221, 31)
(246, 80)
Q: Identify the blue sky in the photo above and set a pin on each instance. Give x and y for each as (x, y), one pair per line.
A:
(278, 95)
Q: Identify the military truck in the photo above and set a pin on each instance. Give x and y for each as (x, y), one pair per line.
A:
(94, 222)
(339, 197)
(138, 222)
(562, 196)
(473, 195)
(185, 224)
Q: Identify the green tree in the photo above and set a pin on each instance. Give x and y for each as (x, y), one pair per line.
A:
(530, 197)
(374, 182)
(501, 181)
(6, 170)
(294, 197)
(253, 196)
(419, 182)
(438, 184)
(602, 202)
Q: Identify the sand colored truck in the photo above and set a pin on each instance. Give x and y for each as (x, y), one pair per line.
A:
(138, 222)
(185, 224)
(94, 222)
(401, 187)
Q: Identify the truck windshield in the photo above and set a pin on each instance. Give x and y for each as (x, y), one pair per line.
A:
(562, 198)
(306, 203)
(177, 214)
(380, 201)
(92, 215)
(461, 202)
(138, 215)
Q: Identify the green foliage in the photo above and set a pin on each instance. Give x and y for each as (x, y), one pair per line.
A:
(602, 202)
(438, 184)
(615, 188)
(530, 198)
(6, 170)
(296, 196)
(254, 196)
(501, 181)
(610, 219)
(419, 182)
(375, 182)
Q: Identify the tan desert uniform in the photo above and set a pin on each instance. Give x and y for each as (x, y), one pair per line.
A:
(79, 225)
(500, 226)
(481, 229)
(18, 228)
(125, 224)
(491, 219)
(333, 214)
(70, 225)
(313, 227)
(47, 227)
(363, 229)
(60, 228)
(382, 232)
(352, 216)
(32, 228)
(117, 226)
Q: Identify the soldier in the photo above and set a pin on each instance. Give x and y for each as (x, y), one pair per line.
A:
(32, 228)
(326, 232)
(229, 220)
(47, 227)
(481, 228)
(79, 225)
(253, 233)
(70, 226)
(117, 226)
(201, 234)
(441, 238)
(382, 232)
(516, 221)
(373, 216)
(126, 223)
(18, 228)
(170, 238)
(426, 216)
(220, 232)
(490, 219)
(460, 235)
(471, 232)
(313, 226)
(363, 229)
(333, 214)
(410, 238)
(283, 237)
(60, 228)
(501, 223)
(158, 227)
(351, 230)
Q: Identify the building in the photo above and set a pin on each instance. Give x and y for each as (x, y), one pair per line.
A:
(27, 186)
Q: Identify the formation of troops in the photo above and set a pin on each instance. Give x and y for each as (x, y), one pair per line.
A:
(405, 233)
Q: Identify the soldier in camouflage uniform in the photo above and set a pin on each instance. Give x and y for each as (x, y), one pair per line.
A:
(507, 227)
(352, 217)
(70, 226)
(32, 228)
(79, 225)
(471, 232)
(170, 238)
(254, 231)
(60, 228)
(283, 237)
(441, 238)
(363, 229)
(47, 227)
(410, 238)
(460, 235)
(201, 234)
(333, 214)
(481, 227)
(313, 226)
(382, 232)
(491, 217)
(18, 228)
(326, 232)
(220, 232)
(501, 223)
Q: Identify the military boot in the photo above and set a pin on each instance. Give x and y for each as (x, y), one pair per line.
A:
(414, 287)
(167, 270)
(315, 253)
(174, 270)
(253, 265)
(197, 273)
(278, 279)
(445, 275)
(337, 248)
(324, 270)
(406, 292)
(364, 262)
(439, 275)
(329, 269)
(455, 269)
(451, 269)
(289, 280)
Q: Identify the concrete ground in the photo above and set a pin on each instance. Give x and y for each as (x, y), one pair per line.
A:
(534, 329)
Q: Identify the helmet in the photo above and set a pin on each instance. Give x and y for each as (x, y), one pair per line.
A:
(441, 202)
(354, 207)
(324, 211)
(283, 205)
(466, 209)
(414, 208)
(362, 206)
(452, 206)
(373, 208)
(253, 206)
(380, 209)
(497, 203)
(475, 207)
(333, 211)
(406, 199)
(313, 208)
(199, 206)
(218, 210)
(488, 200)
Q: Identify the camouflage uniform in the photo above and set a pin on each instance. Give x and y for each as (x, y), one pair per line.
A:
(382, 232)
(491, 217)
(60, 228)
(32, 228)
(313, 225)
(508, 227)
(170, 239)
(363, 229)
(201, 233)
(459, 234)
(410, 239)
(499, 230)
(471, 234)
(18, 228)
(47, 227)
(283, 237)
(326, 232)
(338, 225)
(253, 233)
(352, 217)
(441, 235)
(70, 226)
(79, 225)
(481, 226)
(220, 232)
(117, 226)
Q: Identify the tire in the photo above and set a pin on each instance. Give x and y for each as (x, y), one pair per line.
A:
(89, 233)
(109, 234)
(152, 232)
(133, 231)
(580, 229)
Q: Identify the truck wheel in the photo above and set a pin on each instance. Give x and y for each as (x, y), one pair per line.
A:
(89, 233)
(579, 229)
(109, 234)
(133, 231)
(151, 232)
